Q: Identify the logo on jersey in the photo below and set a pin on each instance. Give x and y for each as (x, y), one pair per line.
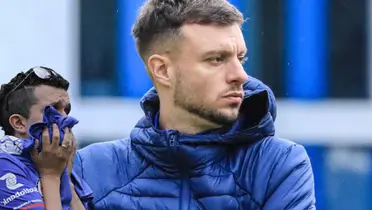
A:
(11, 181)
(39, 187)
(18, 194)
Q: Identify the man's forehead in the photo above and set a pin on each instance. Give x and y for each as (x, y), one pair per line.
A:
(213, 37)
(47, 94)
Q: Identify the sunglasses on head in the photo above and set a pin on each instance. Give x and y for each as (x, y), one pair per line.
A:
(40, 71)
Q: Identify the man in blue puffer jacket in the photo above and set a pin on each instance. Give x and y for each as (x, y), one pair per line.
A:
(207, 138)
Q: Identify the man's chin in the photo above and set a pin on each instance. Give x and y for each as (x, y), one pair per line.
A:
(226, 117)
(231, 113)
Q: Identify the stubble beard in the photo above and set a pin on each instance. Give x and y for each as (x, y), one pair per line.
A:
(186, 99)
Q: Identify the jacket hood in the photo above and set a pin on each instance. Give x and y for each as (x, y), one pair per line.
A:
(167, 148)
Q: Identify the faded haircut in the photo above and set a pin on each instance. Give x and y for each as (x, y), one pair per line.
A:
(159, 21)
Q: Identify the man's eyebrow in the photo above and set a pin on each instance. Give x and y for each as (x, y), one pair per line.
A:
(243, 52)
(224, 52)
(217, 52)
(58, 103)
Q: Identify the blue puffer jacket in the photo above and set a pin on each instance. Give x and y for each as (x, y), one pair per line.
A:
(242, 167)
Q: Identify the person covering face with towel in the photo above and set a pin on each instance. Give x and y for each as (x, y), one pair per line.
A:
(37, 152)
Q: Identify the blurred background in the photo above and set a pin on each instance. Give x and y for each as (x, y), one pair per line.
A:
(314, 54)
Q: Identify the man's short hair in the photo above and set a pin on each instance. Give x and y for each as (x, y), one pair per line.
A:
(17, 96)
(161, 20)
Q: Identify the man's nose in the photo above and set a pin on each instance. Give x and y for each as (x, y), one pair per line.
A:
(236, 73)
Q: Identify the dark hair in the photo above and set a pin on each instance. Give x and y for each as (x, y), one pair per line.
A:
(20, 100)
(161, 20)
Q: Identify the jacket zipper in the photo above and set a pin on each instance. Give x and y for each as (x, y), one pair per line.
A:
(172, 138)
(185, 185)
(185, 195)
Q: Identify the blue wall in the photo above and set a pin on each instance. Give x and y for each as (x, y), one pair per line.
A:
(305, 41)
(305, 67)
(132, 77)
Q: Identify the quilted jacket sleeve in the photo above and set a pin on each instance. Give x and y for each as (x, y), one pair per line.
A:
(291, 185)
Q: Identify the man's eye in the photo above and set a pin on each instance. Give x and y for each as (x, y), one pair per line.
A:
(216, 59)
(243, 60)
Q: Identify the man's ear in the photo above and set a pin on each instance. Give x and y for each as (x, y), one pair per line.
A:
(19, 124)
(158, 67)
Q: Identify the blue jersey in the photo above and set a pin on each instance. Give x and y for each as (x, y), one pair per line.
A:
(20, 186)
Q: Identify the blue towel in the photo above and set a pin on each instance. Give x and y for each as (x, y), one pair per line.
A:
(51, 116)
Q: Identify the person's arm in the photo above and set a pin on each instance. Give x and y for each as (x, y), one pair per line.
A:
(50, 163)
(51, 192)
(17, 189)
(76, 204)
(292, 182)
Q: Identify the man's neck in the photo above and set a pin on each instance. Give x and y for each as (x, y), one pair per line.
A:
(173, 118)
(17, 135)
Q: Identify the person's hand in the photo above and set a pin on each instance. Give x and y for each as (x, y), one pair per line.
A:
(52, 159)
(72, 155)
